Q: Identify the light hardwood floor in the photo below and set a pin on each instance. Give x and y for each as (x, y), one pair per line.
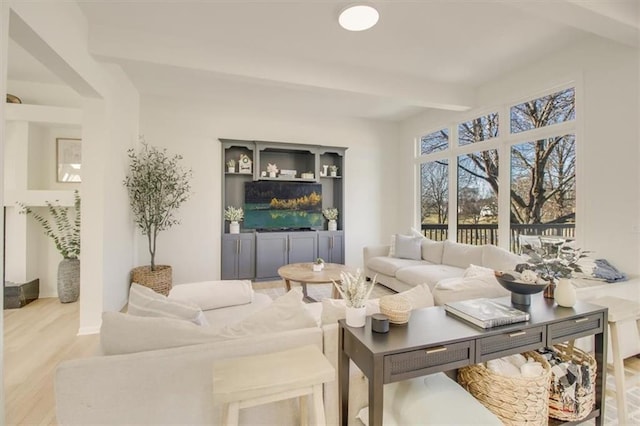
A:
(36, 338)
(42, 334)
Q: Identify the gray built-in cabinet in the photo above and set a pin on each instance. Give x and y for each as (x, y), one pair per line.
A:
(258, 253)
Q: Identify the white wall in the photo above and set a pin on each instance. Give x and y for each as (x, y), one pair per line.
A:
(608, 139)
(192, 129)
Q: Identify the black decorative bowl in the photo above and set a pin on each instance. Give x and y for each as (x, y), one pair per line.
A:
(520, 291)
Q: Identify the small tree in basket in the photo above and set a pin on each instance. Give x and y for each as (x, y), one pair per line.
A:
(157, 187)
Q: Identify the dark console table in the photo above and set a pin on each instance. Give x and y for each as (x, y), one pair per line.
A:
(435, 341)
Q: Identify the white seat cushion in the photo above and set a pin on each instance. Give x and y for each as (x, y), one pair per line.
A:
(430, 400)
(390, 265)
(428, 274)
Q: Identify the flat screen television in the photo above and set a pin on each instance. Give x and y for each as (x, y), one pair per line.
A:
(270, 205)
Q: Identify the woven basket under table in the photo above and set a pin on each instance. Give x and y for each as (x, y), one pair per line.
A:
(515, 400)
(563, 407)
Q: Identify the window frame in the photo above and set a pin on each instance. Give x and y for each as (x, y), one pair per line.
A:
(503, 143)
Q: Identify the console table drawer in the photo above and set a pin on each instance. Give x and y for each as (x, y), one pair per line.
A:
(578, 327)
(427, 360)
(510, 343)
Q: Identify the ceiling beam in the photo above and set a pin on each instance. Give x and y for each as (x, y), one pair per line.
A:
(225, 59)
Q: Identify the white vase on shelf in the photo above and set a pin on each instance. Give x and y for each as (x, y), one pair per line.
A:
(234, 227)
(272, 174)
(332, 225)
(565, 293)
(356, 317)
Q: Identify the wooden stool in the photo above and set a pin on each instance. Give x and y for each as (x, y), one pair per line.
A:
(620, 310)
(260, 379)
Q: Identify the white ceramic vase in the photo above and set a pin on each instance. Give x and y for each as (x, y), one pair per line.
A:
(356, 317)
(565, 293)
(234, 227)
(272, 174)
(317, 267)
(333, 225)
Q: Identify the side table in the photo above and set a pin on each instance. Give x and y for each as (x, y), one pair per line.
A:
(620, 311)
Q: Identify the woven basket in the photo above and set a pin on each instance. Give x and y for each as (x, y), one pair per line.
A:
(515, 400)
(159, 280)
(397, 308)
(563, 405)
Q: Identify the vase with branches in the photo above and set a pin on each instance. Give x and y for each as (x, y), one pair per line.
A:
(63, 227)
(157, 184)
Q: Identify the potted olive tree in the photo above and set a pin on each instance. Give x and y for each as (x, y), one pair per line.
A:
(157, 186)
(63, 228)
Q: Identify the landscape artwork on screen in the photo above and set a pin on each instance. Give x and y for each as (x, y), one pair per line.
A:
(272, 205)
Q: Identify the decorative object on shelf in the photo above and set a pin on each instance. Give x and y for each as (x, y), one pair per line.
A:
(12, 99)
(244, 165)
(355, 291)
(65, 233)
(333, 170)
(397, 308)
(68, 160)
(318, 265)
(307, 175)
(551, 262)
(331, 214)
(234, 215)
(288, 173)
(522, 286)
(565, 293)
(272, 169)
(231, 166)
(325, 168)
(157, 185)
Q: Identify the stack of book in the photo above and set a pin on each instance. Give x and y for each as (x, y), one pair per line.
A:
(486, 313)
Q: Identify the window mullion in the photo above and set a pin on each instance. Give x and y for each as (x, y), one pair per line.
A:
(453, 185)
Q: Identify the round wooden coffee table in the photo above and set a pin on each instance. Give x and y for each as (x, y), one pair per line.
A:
(304, 274)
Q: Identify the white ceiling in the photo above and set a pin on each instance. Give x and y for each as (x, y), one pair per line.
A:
(292, 54)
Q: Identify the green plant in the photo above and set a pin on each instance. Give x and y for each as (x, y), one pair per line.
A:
(557, 260)
(319, 261)
(231, 163)
(233, 214)
(333, 169)
(354, 288)
(64, 228)
(331, 213)
(157, 186)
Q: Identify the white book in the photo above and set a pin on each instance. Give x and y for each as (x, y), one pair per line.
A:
(486, 313)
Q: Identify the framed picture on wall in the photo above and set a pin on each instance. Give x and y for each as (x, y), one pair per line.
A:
(69, 159)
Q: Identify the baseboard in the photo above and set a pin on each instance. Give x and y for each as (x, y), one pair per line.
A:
(88, 330)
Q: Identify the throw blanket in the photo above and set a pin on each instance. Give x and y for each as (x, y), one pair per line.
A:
(606, 271)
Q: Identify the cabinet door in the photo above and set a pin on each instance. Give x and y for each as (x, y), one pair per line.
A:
(246, 257)
(271, 253)
(303, 247)
(331, 246)
(229, 265)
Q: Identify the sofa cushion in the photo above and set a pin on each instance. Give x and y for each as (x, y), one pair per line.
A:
(455, 289)
(145, 302)
(233, 314)
(461, 255)
(499, 259)
(432, 250)
(408, 247)
(213, 294)
(122, 333)
(419, 296)
(475, 271)
(389, 265)
(427, 274)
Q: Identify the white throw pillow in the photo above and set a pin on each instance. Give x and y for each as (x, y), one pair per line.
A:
(419, 296)
(121, 333)
(477, 271)
(214, 294)
(408, 247)
(461, 255)
(392, 243)
(145, 302)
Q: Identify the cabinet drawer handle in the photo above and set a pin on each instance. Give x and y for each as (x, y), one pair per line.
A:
(582, 320)
(518, 333)
(435, 350)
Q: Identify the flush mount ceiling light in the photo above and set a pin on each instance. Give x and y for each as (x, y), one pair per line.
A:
(358, 17)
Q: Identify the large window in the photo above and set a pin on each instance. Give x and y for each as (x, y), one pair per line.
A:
(539, 143)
